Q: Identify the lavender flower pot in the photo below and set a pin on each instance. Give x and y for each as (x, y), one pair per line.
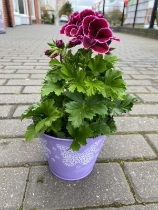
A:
(67, 164)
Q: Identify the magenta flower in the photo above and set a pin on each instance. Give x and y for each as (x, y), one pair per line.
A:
(46, 52)
(54, 56)
(60, 43)
(92, 27)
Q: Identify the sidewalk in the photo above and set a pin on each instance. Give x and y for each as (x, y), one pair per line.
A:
(126, 173)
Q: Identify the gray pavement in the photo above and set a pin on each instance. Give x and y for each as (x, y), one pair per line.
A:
(125, 176)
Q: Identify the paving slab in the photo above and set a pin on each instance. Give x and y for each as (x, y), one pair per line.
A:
(4, 110)
(24, 82)
(32, 89)
(13, 128)
(144, 109)
(23, 152)
(143, 177)
(137, 89)
(105, 185)
(19, 110)
(153, 139)
(2, 81)
(20, 99)
(14, 76)
(148, 97)
(134, 207)
(12, 187)
(139, 82)
(153, 89)
(133, 124)
(10, 89)
(126, 147)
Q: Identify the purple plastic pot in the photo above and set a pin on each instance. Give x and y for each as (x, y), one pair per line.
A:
(67, 164)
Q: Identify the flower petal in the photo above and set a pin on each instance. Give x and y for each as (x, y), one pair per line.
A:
(116, 39)
(100, 48)
(87, 42)
(80, 31)
(68, 30)
(86, 23)
(73, 31)
(86, 12)
(104, 35)
(96, 25)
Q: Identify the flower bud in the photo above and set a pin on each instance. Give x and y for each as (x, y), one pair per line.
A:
(60, 43)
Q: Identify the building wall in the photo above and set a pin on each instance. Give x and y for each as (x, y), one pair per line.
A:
(8, 13)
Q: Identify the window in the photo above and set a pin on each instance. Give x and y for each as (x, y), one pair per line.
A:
(46, 2)
(21, 7)
(32, 8)
(16, 7)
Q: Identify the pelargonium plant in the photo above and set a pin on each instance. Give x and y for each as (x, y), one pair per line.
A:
(83, 92)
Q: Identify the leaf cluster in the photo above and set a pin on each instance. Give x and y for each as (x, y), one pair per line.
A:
(80, 96)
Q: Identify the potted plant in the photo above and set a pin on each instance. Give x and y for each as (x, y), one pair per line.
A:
(80, 96)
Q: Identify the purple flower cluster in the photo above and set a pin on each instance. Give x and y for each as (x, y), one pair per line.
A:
(89, 28)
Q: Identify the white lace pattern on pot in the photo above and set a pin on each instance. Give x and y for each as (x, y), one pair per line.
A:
(71, 158)
(47, 152)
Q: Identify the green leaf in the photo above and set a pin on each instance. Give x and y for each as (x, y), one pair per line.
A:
(30, 133)
(124, 106)
(93, 86)
(53, 75)
(97, 64)
(114, 86)
(54, 62)
(76, 96)
(79, 136)
(80, 86)
(78, 111)
(50, 87)
(75, 146)
(99, 128)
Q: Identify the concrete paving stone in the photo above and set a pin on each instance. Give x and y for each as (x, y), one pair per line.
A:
(19, 67)
(37, 76)
(105, 185)
(153, 139)
(4, 110)
(137, 89)
(133, 207)
(23, 152)
(13, 127)
(32, 89)
(12, 76)
(144, 109)
(153, 68)
(153, 89)
(24, 60)
(126, 147)
(2, 81)
(148, 97)
(136, 124)
(143, 178)
(149, 72)
(24, 82)
(12, 187)
(22, 99)
(146, 76)
(139, 82)
(126, 77)
(43, 67)
(34, 71)
(10, 89)
(2, 71)
(19, 110)
(12, 64)
(35, 64)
